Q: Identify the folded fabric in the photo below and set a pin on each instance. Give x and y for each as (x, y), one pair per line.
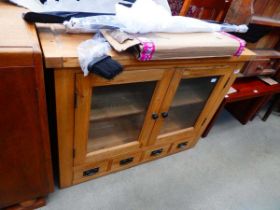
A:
(105, 66)
(56, 17)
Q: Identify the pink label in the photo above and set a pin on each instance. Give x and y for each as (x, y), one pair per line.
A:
(148, 50)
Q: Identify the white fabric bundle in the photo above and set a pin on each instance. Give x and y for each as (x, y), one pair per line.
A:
(146, 16)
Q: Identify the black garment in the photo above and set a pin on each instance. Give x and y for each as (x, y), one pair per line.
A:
(127, 3)
(56, 17)
(105, 66)
(60, 17)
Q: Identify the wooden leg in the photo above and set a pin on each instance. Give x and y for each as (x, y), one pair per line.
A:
(28, 205)
(244, 110)
(271, 107)
(210, 125)
(263, 101)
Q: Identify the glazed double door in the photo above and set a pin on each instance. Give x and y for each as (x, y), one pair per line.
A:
(139, 108)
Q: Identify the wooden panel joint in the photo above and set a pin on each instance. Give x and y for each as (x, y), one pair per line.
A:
(74, 153)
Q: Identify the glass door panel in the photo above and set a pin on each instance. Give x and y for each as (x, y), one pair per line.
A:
(189, 101)
(117, 114)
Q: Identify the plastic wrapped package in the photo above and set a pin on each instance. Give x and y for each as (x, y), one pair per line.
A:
(146, 16)
(176, 24)
(90, 49)
(94, 6)
(91, 24)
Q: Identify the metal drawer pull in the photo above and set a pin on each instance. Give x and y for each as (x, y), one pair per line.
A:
(91, 172)
(164, 114)
(126, 161)
(156, 152)
(182, 145)
(155, 116)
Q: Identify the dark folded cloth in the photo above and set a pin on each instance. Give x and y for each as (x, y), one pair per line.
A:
(56, 17)
(127, 3)
(60, 17)
(105, 66)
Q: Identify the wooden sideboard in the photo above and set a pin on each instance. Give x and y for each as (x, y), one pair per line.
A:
(25, 159)
(150, 110)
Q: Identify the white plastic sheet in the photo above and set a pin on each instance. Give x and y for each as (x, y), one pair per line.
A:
(91, 24)
(92, 48)
(146, 16)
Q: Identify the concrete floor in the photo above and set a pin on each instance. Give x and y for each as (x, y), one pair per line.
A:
(235, 168)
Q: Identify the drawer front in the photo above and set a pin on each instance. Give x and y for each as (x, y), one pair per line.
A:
(90, 171)
(125, 161)
(257, 67)
(156, 152)
(180, 145)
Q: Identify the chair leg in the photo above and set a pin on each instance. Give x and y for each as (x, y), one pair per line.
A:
(271, 107)
(262, 103)
(185, 7)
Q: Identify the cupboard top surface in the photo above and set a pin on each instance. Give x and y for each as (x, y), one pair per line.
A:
(18, 39)
(14, 30)
(60, 51)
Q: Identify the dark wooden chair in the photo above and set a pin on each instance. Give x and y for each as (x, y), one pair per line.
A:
(206, 9)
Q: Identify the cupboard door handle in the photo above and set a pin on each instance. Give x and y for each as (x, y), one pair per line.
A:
(126, 161)
(182, 145)
(156, 152)
(91, 172)
(155, 116)
(164, 114)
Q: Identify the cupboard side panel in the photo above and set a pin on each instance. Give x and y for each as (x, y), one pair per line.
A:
(64, 94)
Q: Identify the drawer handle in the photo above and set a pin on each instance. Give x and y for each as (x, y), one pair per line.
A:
(155, 116)
(164, 114)
(182, 145)
(156, 152)
(126, 161)
(91, 172)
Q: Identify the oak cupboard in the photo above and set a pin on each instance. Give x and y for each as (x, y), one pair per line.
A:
(150, 110)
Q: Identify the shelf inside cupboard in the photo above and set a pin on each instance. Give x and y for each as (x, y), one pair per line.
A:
(118, 131)
(182, 117)
(135, 104)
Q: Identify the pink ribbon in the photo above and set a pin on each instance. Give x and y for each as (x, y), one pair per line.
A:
(242, 43)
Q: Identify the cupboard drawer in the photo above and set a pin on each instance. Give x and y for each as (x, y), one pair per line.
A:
(90, 171)
(180, 145)
(257, 67)
(156, 152)
(125, 161)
